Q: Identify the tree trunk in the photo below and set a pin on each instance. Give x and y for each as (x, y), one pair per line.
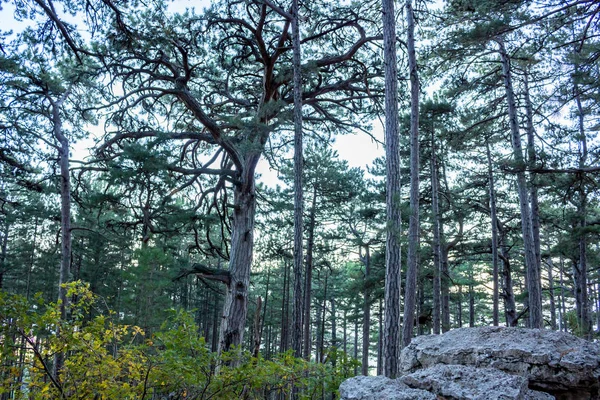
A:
(356, 338)
(4, 249)
(459, 307)
(471, 302)
(508, 295)
(562, 295)
(437, 245)
(584, 310)
(533, 274)
(65, 219)
(444, 249)
(391, 348)
(298, 194)
(308, 277)
(285, 307)
(494, 222)
(345, 323)
(551, 294)
(410, 289)
(533, 192)
(235, 307)
(380, 340)
(366, 313)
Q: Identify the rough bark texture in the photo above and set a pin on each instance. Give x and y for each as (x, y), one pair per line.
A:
(583, 309)
(298, 194)
(391, 335)
(235, 306)
(366, 313)
(410, 292)
(494, 223)
(533, 192)
(437, 245)
(533, 274)
(550, 265)
(308, 276)
(65, 217)
(508, 295)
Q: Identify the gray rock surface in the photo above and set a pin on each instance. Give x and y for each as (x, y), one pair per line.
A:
(535, 395)
(380, 388)
(468, 383)
(553, 362)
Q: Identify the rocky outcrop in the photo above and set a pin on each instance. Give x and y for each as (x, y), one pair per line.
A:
(553, 362)
(490, 363)
(380, 388)
(470, 383)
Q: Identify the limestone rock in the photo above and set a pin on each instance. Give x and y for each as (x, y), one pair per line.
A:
(553, 362)
(380, 388)
(468, 383)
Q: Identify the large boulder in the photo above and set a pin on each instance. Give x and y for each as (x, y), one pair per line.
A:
(380, 388)
(470, 383)
(553, 362)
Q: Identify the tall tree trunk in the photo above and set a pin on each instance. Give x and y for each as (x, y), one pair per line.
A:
(410, 289)
(508, 295)
(32, 259)
(366, 313)
(550, 264)
(459, 307)
(533, 275)
(235, 307)
(380, 340)
(531, 162)
(582, 289)
(471, 301)
(494, 223)
(65, 218)
(285, 307)
(298, 194)
(562, 295)
(444, 249)
(391, 348)
(345, 324)
(421, 310)
(308, 275)
(437, 245)
(356, 338)
(4, 249)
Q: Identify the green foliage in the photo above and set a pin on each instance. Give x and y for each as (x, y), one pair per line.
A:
(108, 360)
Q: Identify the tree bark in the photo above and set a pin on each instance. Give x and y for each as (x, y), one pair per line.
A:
(380, 340)
(459, 307)
(437, 245)
(533, 192)
(581, 272)
(533, 274)
(298, 194)
(65, 217)
(366, 313)
(410, 289)
(235, 307)
(4, 249)
(494, 223)
(508, 295)
(550, 264)
(308, 276)
(391, 348)
(285, 307)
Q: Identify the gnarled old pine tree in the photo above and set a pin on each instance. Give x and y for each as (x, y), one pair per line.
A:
(214, 90)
